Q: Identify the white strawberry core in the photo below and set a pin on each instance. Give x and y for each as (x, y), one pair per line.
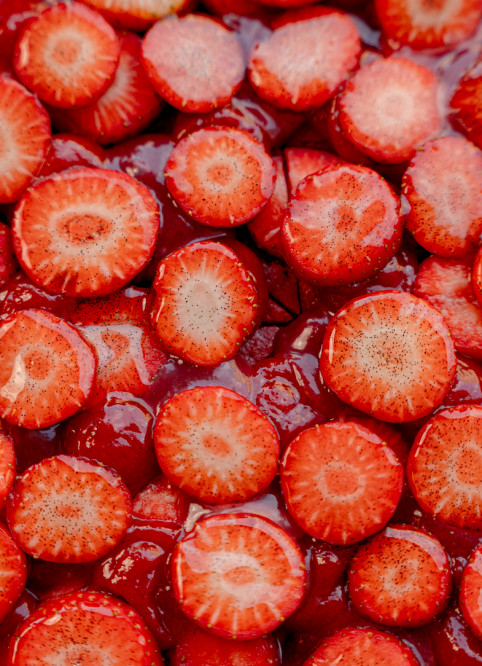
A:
(425, 15)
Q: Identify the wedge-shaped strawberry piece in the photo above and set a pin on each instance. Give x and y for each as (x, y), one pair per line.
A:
(343, 224)
(70, 231)
(466, 104)
(341, 482)
(471, 592)
(137, 14)
(82, 628)
(25, 138)
(305, 59)
(390, 355)
(238, 575)
(390, 107)
(206, 303)
(46, 369)
(13, 572)
(7, 465)
(67, 509)
(401, 577)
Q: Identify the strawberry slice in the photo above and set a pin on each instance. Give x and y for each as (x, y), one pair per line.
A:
(471, 592)
(390, 355)
(442, 188)
(70, 231)
(206, 303)
(220, 176)
(67, 509)
(216, 445)
(305, 59)
(343, 224)
(47, 369)
(238, 575)
(302, 162)
(137, 14)
(161, 502)
(401, 577)
(82, 628)
(25, 138)
(7, 465)
(67, 55)
(466, 104)
(390, 107)
(13, 572)
(445, 466)
(195, 63)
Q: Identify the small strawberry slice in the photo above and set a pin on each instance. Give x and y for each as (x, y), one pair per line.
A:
(220, 176)
(342, 225)
(390, 355)
(466, 104)
(390, 107)
(401, 577)
(238, 575)
(206, 303)
(67, 55)
(82, 628)
(47, 369)
(161, 502)
(67, 509)
(216, 445)
(305, 59)
(302, 162)
(471, 592)
(7, 465)
(25, 137)
(70, 231)
(13, 572)
(137, 14)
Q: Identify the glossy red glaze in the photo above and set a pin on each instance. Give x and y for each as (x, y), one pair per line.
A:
(453, 642)
(68, 150)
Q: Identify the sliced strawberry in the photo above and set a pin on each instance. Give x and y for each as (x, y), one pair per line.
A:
(67, 55)
(343, 224)
(206, 303)
(13, 572)
(7, 465)
(302, 162)
(68, 150)
(70, 231)
(25, 138)
(67, 509)
(466, 104)
(22, 294)
(7, 260)
(137, 14)
(161, 502)
(388, 434)
(81, 628)
(238, 575)
(390, 355)
(305, 59)
(401, 577)
(471, 592)
(390, 107)
(442, 189)
(46, 369)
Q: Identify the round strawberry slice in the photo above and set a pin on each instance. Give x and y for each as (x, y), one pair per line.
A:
(466, 104)
(341, 482)
(47, 369)
(137, 14)
(7, 465)
(238, 575)
(216, 445)
(220, 176)
(390, 355)
(85, 231)
(67, 509)
(67, 55)
(84, 628)
(471, 592)
(342, 225)
(13, 572)
(401, 577)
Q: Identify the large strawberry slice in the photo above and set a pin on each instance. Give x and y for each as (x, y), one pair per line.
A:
(466, 104)
(137, 14)
(7, 465)
(70, 231)
(13, 572)
(471, 592)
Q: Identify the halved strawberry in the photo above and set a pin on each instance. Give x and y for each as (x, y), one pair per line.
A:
(305, 59)
(67, 509)
(7, 260)
(70, 231)
(195, 63)
(466, 104)
(220, 176)
(7, 465)
(67, 55)
(389, 354)
(401, 577)
(238, 575)
(442, 188)
(25, 137)
(302, 162)
(471, 592)
(82, 628)
(13, 572)
(161, 502)
(390, 107)
(137, 14)
(47, 369)
(342, 225)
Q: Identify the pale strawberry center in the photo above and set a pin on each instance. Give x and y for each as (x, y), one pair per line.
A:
(240, 576)
(38, 364)
(86, 227)
(66, 52)
(341, 480)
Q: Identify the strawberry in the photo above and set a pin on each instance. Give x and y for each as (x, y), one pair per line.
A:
(220, 176)
(7, 465)
(238, 575)
(195, 63)
(341, 482)
(401, 577)
(13, 572)
(47, 369)
(81, 628)
(68, 150)
(67, 509)
(67, 55)
(302, 162)
(161, 502)
(7, 260)
(466, 104)
(26, 138)
(137, 14)
(471, 592)
(390, 355)
(477, 276)
(70, 230)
